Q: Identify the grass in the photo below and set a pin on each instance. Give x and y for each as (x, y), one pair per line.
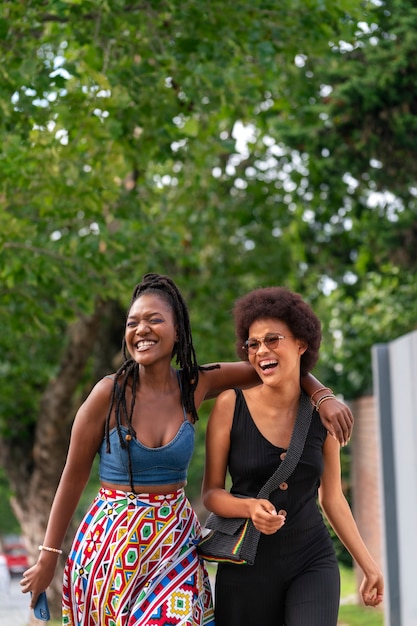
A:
(355, 615)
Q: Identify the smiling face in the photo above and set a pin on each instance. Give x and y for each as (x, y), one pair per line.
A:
(150, 329)
(275, 361)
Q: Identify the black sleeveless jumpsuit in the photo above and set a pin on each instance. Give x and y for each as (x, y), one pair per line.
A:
(295, 578)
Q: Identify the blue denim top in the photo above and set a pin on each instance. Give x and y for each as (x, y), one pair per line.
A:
(150, 466)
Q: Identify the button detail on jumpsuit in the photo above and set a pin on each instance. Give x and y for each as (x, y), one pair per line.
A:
(283, 486)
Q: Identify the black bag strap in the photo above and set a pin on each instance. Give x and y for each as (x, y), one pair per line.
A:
(230, 525)
(295, 449)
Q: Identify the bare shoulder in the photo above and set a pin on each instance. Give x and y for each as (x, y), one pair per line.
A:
(102, 390)
(105, 384)
(223, 408)
(98, 400)
(89, 423)
(226, 399)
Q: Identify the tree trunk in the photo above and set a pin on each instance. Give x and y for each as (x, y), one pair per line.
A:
(34, 465)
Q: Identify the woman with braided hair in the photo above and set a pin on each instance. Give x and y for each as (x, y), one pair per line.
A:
(134, 561)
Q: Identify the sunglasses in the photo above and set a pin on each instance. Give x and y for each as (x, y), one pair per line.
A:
(271, 340)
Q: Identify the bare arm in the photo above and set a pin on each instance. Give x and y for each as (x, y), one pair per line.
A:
(215, 497)
(337, 418)
(86, 436)
(339, 514)
(225, 376)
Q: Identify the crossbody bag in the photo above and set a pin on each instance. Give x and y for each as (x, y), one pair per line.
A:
(235, 539)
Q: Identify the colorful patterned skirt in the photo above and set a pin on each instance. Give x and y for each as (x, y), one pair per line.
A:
(134, 563)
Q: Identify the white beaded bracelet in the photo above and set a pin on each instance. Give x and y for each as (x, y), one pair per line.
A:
(48, 549)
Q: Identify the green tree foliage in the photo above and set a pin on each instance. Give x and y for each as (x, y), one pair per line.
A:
(114, 118)
(8, 523)
(355, 126)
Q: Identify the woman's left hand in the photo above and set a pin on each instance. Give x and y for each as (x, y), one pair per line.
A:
(337, 418)
(372, 589)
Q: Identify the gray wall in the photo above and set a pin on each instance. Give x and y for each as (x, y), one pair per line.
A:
(395, 387)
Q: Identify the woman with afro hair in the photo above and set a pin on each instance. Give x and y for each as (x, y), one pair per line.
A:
(294, 580)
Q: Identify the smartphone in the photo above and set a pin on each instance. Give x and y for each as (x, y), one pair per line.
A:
(41, 609)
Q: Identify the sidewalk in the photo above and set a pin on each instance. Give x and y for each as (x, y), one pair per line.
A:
(14, 605)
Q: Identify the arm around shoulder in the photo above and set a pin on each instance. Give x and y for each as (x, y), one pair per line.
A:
(336, 416)
(225, 376)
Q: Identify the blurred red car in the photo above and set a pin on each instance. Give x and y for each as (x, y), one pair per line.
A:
(16, 557)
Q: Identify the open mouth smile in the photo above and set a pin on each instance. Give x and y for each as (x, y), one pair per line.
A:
(268, 364)
(144, 344)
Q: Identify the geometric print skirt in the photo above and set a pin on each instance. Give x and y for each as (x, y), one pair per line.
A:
(134, 562)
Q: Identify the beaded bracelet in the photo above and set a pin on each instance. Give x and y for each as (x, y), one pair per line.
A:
(329, 396)
(318, 391)
(48, 549)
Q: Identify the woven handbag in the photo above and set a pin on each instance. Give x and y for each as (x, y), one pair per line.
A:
(235, 539)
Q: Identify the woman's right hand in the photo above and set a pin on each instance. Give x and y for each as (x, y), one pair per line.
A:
(265, 517)
(38, 577)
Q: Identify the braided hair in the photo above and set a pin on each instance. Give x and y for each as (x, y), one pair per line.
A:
(183, 351)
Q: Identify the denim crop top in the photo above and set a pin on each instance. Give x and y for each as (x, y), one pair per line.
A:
(150, 466)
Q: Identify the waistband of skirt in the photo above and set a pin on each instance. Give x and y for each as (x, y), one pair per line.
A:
(145, 498)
